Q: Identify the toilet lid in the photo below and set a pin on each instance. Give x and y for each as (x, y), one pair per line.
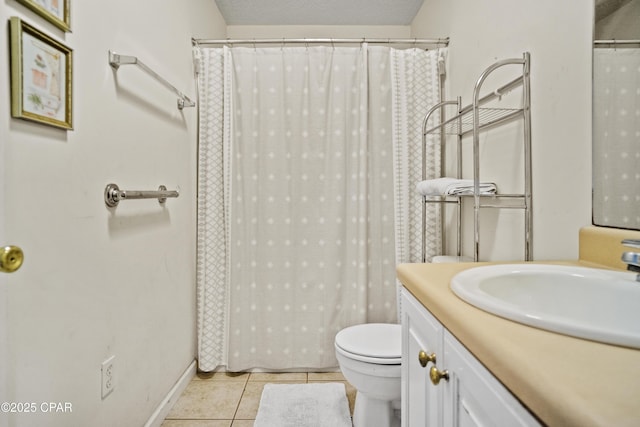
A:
(372, 340)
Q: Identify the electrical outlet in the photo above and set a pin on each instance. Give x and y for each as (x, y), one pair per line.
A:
(108, 376)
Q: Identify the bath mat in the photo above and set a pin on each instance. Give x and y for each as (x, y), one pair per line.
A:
(303, 405)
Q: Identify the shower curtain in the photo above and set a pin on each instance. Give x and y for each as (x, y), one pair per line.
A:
(307, 162)
(616, 133)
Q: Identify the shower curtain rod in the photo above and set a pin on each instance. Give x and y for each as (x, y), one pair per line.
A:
(437, 42)
(614, 41)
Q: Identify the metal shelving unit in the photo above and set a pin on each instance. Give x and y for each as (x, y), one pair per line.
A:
(471, 120)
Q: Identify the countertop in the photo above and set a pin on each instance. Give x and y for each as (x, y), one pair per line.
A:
(564, 381)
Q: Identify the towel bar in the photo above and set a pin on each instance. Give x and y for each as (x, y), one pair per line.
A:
(116, 60)
(113, 195)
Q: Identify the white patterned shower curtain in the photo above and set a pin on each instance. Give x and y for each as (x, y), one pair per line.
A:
(616, 133)
(307, 162)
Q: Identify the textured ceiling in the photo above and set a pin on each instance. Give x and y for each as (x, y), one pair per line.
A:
(319, 12)
(605, 8)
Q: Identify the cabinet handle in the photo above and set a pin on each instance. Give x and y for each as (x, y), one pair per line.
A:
(437, 375)
(425, 358)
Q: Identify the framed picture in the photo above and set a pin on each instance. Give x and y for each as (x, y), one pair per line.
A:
(54, 11)
(41, 71)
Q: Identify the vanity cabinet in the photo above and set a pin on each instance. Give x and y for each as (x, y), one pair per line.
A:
(466, 393)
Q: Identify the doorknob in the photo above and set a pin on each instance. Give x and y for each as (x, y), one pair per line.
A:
(11, 258)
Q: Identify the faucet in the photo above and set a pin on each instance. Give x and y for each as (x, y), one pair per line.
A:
(632, 259)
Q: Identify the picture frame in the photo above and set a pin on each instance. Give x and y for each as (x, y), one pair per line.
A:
(41, 76)
(55, 11)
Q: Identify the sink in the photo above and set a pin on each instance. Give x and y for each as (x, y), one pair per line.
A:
(590, 303)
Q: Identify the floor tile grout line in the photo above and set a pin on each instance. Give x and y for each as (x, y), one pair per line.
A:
(306, 381)
(244, 388)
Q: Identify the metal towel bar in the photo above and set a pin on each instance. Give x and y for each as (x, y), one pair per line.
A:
(116, 60)
(113, 195)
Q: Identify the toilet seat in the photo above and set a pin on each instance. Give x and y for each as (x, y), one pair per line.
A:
(378, 343)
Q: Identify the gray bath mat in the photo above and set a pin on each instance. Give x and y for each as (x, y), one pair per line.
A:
(303, 405)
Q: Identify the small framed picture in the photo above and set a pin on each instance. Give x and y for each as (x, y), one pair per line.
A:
(41, 71)
(54, 11)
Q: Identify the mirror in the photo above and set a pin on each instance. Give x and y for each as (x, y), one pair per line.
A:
(616, 114)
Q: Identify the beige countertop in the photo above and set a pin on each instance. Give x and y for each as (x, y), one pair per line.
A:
(564, 381)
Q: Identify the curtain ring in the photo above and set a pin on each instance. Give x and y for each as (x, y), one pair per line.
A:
(333, 46)
(254, 46)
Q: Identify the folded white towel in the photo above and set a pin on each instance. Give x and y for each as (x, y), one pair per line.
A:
(452, 187)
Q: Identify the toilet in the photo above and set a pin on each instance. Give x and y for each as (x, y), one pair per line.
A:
(369, 356)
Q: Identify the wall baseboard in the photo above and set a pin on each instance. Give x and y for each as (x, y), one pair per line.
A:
(167, 403)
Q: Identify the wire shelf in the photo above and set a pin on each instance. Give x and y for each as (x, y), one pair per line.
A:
(463, 123)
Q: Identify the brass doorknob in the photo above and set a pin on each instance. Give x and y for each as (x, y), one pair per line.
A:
(425, 358)
(11, 258)
(437, 375)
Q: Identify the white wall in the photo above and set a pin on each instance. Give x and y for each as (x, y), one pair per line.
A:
(558, 35)
(317, 31)
(98, 282)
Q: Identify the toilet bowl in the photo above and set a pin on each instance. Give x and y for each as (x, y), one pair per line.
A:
(369, 356)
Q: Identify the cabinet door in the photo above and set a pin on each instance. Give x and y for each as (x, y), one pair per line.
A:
(421, 401)
(474, 396)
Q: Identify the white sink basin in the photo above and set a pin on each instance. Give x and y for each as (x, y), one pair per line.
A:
(595, 304)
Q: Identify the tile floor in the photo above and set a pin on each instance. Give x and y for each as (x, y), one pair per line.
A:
(231, 400)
